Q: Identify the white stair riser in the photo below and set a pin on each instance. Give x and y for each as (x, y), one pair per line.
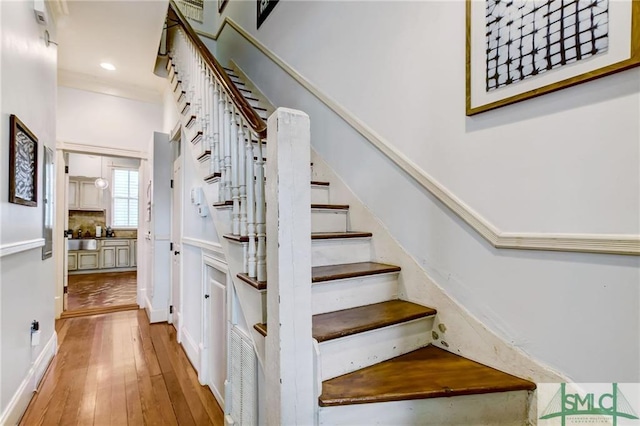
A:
(493, 409)
(337, 295)
(319, 194)
(328, 220)
(337, 251)
(351, 353)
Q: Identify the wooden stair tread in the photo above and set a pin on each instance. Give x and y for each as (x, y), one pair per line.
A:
(323, 273)
(428, 372)
(204, 155)
(319, 183)
(314, 235)
(212, 176)
(259, 285)
(261, 328)
(333, 325)
(350, 270)
(223, 203)
(338, 235)
(237, 238)
(330, 206)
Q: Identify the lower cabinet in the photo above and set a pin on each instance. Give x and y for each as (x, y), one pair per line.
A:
(122, 257)
(87, 260)
(107, 257)
(134, 253)
(72, 261)
(111, 254)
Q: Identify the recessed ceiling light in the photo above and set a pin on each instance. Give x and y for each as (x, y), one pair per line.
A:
(108, 66)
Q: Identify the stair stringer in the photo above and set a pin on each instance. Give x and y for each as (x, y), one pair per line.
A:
(248, 297)
(455, 329)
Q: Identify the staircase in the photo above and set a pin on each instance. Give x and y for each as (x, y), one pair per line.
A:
(378, 362)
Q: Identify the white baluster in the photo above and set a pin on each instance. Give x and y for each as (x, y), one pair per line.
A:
(191, 73)
(185, 72)
(221, 136)
(227, 149)
(235, 178)
(213, 124)
(261, 256)
(242, 178)
(204, 95)
(251, 206)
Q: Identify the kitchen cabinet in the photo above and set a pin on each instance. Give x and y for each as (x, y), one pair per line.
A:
(72, 261)
(134, 253)
(83, 194)
(87, 260)
(117, 252)
(111, 253)
(73, 194)
(122, 257)
(107, 257)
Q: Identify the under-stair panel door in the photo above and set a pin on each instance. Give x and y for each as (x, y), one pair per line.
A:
(176, 238)
(215, 326)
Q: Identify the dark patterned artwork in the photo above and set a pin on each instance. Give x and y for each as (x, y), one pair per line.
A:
(264, 9)
(526, 38)
(23, 164)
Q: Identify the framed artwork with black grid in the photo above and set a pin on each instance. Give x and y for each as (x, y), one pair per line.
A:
(519, 49)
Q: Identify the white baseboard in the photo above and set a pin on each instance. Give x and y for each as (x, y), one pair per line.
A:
(155, 315)
(141, 297)
(191, 348)
(20, 400)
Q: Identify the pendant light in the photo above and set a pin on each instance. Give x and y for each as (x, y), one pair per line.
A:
(101, 183)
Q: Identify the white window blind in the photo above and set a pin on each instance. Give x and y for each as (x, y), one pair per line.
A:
(125, 198)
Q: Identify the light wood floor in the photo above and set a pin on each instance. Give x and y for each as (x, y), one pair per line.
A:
(117, 369)
(88, 291)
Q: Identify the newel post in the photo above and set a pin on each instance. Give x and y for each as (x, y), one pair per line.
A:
(289, 364)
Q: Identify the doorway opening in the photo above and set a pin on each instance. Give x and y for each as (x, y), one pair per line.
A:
(101, 233)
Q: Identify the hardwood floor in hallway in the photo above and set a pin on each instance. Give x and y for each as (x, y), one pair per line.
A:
(117, 369)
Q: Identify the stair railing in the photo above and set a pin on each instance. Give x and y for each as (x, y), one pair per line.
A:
(231, 133)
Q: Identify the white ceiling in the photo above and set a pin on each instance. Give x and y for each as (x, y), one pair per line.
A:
(124, 33)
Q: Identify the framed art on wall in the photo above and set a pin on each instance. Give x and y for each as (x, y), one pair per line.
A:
(519, 49)
(23, 164)
(264, 9)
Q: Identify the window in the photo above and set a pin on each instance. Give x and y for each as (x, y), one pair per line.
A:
(125, 198)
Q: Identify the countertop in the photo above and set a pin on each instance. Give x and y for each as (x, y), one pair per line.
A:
(105, 238)
(116, 238)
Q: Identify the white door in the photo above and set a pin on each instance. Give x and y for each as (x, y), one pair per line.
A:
(65, 259)
(215, 331)
(176, 237)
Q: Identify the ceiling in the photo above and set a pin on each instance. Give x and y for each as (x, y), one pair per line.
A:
(124, 33)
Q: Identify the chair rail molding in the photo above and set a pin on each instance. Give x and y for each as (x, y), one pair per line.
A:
(20, 246)
(621, 244)
(215, 248)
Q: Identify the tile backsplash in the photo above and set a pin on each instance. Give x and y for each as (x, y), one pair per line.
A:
(87, 221)
(125, 233)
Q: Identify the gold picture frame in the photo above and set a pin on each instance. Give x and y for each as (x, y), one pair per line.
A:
(480, 99)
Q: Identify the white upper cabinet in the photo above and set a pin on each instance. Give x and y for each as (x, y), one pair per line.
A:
(84, 195)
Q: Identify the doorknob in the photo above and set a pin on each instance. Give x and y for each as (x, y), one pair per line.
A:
(206, 296)
(176, 252)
